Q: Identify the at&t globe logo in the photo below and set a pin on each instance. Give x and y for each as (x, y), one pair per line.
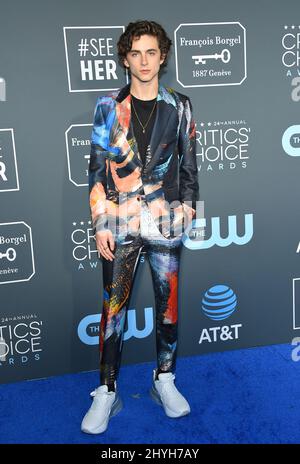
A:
(219, 302)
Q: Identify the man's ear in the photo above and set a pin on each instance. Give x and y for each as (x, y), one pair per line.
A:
(162, 58)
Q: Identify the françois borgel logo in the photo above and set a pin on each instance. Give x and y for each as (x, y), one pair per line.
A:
(209, 54)
(78, 153)
(16, 253)
(9, 180)
(92, 59)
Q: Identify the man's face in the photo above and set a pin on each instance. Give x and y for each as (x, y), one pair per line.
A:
(144, 58)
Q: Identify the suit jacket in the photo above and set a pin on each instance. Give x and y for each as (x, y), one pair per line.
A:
(117, 176)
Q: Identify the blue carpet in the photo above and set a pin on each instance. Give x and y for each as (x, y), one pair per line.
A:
(242, 396)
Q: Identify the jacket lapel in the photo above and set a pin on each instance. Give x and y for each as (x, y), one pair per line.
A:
(160, 129)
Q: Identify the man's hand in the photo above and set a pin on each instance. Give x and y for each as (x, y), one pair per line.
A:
(105, 243)
(189, 211)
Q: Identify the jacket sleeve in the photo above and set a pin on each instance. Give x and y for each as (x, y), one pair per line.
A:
(188, 172)
(97, 171)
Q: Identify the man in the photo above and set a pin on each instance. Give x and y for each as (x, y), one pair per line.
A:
(143, 189)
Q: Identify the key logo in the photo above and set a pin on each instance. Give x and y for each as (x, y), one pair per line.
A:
(16, 253)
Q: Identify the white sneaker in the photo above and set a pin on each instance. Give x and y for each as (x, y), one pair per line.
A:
(105, 405)
(164, 393)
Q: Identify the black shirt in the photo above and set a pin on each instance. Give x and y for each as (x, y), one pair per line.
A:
(143, 109)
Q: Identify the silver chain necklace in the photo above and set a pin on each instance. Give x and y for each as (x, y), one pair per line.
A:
(143, 126)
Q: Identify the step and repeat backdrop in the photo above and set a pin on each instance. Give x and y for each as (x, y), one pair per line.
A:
(239, 62)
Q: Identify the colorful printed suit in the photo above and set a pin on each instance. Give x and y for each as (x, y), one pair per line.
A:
(117, 175)
(124, 194)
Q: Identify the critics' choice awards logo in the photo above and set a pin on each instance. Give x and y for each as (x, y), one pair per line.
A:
(223, 146)
(291, 140)
(16, 253)
(92, 59)
(218, 303)
(291, 57)
(84, 249)
(20, 340)
(209, 54)
(78, 143)
(9, 179)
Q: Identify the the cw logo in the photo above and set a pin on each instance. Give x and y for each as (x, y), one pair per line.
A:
(215, 238)
(291, 140)
(88, 328)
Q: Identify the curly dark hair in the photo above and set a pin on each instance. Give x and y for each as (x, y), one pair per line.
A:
(138, 28)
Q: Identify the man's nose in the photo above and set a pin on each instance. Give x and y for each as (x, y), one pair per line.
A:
(144, 59)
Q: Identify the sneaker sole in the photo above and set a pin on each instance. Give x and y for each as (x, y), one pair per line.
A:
(115, 409)
(156, 398)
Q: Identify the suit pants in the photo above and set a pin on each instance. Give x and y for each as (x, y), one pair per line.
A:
(118, 276)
